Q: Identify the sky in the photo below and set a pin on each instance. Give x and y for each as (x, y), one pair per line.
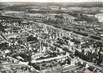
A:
(51, 0)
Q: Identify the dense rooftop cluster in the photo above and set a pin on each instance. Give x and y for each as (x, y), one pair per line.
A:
(58, 42)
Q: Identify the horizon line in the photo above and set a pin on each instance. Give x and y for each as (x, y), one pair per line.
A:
(52, 1)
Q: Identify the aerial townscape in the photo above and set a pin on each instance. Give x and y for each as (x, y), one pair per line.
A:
(51, 37)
